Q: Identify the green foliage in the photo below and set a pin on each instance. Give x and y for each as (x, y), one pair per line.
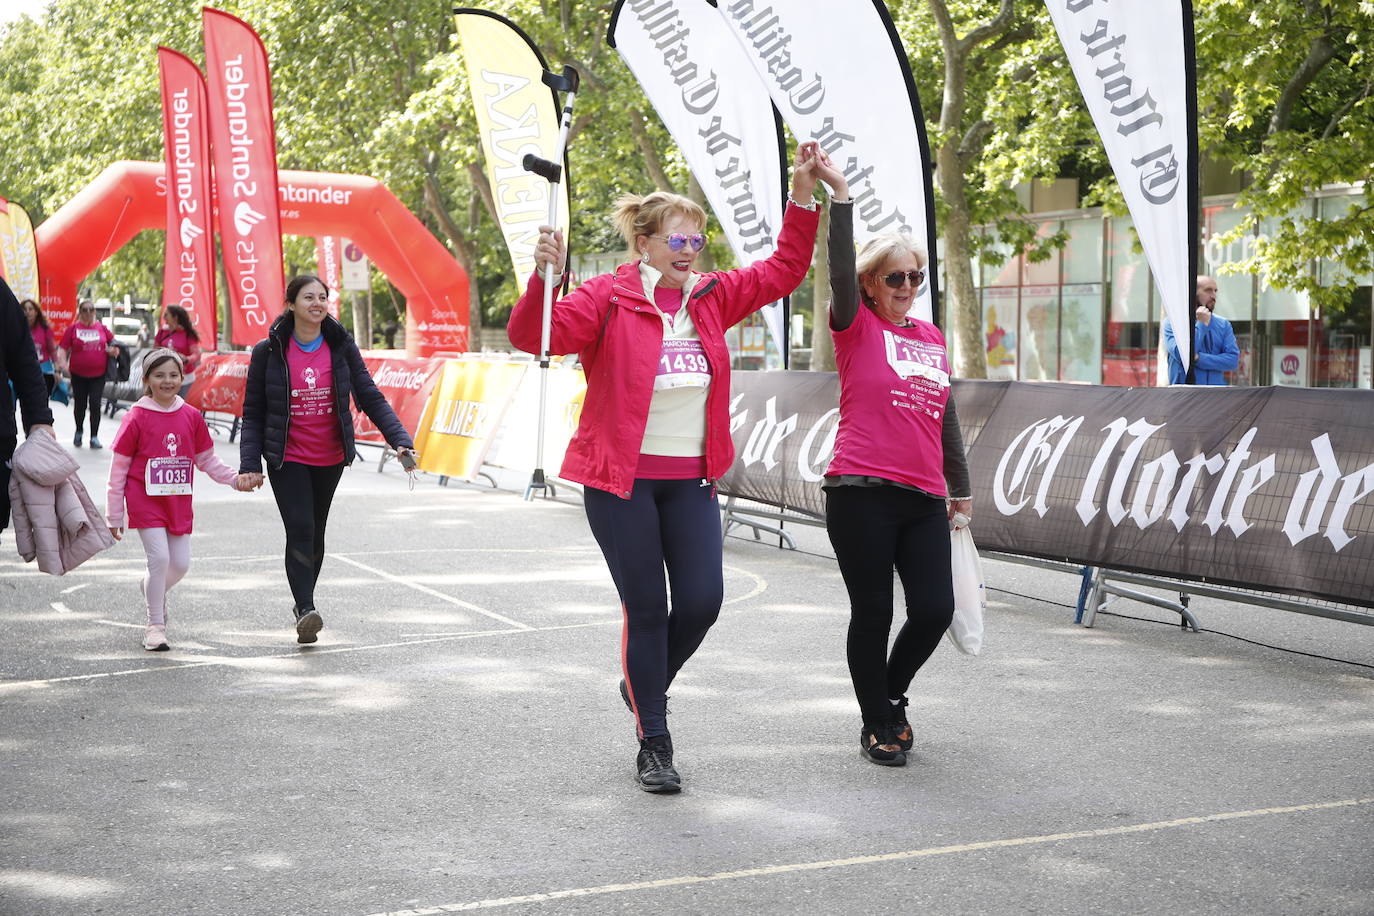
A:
(379, 88)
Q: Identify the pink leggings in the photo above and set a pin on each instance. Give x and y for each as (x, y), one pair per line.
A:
(169, 556)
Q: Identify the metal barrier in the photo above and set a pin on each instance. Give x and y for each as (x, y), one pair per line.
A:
(1098, 586)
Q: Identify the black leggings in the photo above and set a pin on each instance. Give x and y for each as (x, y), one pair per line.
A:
(872, 530)
(672, 523)
(87, 391)
(304, 493)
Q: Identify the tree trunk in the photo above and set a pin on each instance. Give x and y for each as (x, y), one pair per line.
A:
(963, 312)
(822, 344)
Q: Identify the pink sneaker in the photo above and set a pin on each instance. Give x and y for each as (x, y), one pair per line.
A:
(155, 638)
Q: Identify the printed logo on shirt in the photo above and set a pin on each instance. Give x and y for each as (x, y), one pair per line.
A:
(309, 376)
(169, 476)
(88, 335)
(916, 358)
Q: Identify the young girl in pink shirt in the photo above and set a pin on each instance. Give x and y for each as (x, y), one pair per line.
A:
(158, 446)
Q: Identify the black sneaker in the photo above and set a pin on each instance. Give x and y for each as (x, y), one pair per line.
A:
(654, 765)
(308, 624)
(880, 746)
(901, 728)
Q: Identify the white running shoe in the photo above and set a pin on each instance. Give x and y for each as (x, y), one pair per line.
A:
(155, 638)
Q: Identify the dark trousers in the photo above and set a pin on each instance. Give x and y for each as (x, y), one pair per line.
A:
(7, 446)
(87, 392)
(672, 524)
(304, 493)
(873, 531)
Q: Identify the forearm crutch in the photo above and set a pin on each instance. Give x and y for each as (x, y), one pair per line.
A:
(552, 171)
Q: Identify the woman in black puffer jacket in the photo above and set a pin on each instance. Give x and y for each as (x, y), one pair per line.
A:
(295, 415)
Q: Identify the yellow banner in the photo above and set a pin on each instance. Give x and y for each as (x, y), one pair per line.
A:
(463, 415)
(516, 450)
(21, 254)
(7, 249)
(516, 114)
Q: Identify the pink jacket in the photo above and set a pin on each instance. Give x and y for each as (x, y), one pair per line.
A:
(619, 335)
(54, 518)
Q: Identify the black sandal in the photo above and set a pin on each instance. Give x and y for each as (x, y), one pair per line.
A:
(880, 746)
(901, 728)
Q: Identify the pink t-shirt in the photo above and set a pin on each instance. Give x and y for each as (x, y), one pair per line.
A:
(181, 342)
(313, 435)
(668, 300)
(170, 443)
(894, 382)
(43, 342)
(87, 343)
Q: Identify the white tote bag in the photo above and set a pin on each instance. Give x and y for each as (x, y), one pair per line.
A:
(966, 630)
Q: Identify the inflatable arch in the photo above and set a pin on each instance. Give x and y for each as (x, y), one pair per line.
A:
(129, 197)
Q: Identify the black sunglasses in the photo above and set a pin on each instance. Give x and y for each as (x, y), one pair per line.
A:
(894, 279)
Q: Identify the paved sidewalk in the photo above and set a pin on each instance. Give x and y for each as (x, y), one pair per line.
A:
(456, 741)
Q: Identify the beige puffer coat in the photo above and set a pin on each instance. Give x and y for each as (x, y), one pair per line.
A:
(54, 518)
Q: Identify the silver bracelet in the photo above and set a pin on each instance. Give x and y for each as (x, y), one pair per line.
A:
(811, 205)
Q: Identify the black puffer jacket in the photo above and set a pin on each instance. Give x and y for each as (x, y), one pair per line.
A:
(267, 396)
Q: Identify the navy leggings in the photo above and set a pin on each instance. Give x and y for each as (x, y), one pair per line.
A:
(666, 523)
(304, 493)
(873, 530)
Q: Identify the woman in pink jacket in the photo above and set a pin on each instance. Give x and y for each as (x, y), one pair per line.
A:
(654, 434)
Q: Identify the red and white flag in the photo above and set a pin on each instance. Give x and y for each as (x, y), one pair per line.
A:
(243, 134)
(188, 271)
(327, 268)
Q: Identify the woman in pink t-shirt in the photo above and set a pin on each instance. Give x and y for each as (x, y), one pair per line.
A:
(297, 421)
(179, 333)
(158, 446)
(898, 475)
(87, 343)
(44, 342)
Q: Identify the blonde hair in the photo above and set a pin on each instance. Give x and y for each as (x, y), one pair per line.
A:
(880, 249)
(635, 216)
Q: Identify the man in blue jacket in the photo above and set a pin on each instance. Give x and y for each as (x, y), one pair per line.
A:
(1214, 342)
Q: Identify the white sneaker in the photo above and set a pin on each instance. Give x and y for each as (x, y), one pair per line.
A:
(155, 638)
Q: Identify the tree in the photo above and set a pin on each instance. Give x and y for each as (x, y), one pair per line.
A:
(1286, 93)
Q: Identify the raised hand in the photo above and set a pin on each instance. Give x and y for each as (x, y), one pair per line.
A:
(550, 249)
(829, 173)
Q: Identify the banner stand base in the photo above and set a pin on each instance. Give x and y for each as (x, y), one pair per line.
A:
(537, 482)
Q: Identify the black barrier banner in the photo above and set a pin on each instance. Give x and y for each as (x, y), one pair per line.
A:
(1260, 488)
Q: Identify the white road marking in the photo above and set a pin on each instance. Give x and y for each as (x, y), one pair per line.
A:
(61, 608)
(294, 655)
(769, 870)
(116, 623)
(760, 584)
(434, 593)
(74, 588)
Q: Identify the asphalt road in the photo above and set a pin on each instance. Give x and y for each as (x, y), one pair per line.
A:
(455, 740)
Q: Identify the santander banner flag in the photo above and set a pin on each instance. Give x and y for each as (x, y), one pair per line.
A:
(859, 105)
(188, 267)
(704, 89)
(245, 147)
(327, 268)
(1136, 67)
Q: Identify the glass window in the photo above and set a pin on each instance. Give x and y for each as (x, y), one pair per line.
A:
(1129, 350)
(1272, 303)
(1039, 354)
(1234, 291)
(1083, 252)
(1007, 272)
(1080, 335)
(1042, 273)
(1000, 322)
